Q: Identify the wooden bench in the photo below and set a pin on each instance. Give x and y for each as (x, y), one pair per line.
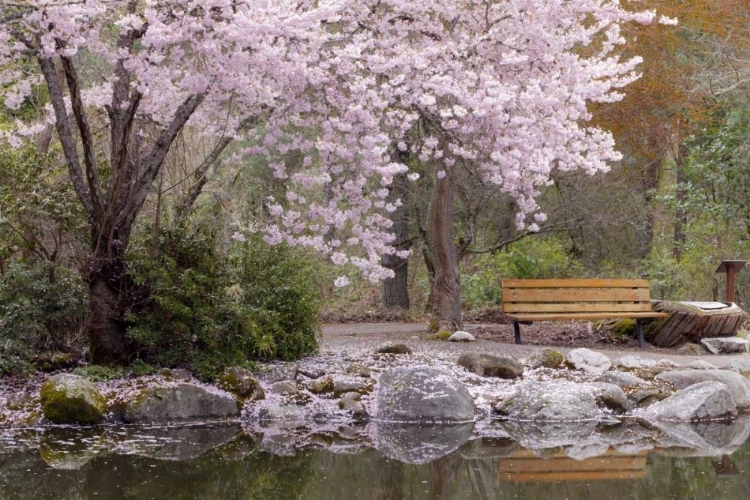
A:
(526, 301)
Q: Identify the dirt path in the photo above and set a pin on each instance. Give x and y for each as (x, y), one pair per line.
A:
(368, 336)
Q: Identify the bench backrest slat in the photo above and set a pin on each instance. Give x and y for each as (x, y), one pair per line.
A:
(602, 307)
(575, 283)
(576, 296)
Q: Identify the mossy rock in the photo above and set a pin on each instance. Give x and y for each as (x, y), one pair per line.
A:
(71, 399)
(320, 386)
(623, 329)
(441, 335)
(240, 382)
(548, 358)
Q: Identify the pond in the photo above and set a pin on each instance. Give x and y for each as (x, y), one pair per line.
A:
(367, 462)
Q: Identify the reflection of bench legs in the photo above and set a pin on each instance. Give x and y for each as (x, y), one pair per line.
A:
(517, 329)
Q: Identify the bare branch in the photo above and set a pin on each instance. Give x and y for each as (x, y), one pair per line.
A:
(89, 156)
(65, 133)
(200, 174)
(153, 161)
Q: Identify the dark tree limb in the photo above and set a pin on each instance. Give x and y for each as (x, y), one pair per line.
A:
(87, 139)
(201, 173)
(152, 162)
(65, 133)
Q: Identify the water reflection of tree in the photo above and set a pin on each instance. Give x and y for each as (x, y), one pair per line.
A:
(391, 475)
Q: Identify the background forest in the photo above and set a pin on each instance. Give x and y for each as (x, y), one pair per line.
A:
(205, 291)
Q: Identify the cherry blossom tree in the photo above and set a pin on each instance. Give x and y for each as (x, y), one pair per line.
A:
(497, 86)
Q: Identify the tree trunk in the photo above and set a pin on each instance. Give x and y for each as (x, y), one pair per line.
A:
(396, 289)
(106, 325)
(681, 214)
(446, 295)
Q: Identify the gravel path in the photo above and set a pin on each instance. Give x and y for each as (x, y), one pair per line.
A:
(368, 336)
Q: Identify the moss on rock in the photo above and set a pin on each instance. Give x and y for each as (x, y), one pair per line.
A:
(71, 399)
(240, 382)
(548, 358)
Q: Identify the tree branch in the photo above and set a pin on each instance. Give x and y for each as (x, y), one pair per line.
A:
(65, 133)
(153, 161)
(87, 139)
(200, 174)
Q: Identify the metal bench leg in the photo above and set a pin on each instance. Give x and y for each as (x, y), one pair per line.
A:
(639, 329)
(517, 331)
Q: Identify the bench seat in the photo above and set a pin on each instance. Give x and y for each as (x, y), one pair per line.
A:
(526, 301)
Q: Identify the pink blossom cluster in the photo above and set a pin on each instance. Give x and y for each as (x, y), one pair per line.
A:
(499, 86)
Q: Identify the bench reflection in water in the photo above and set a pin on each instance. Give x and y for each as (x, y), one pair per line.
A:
(524, 466)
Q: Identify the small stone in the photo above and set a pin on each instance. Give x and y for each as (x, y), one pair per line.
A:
(321, 386)
(726, 345)
(461, 336)
(648, 395)
(691, 349)
(635, 362)
(588, 361)
(350, 403)
(278, 373)
(611, 396)
(699, 364)
(284, 387)
(19, 400)
(282, 412)
(394, 349)
(71, 399)
(340, 386)
(489, 365)
(548, 358)
(240, 382)
(620, 379)
(313, 374)
(668, 363)
(175, 374)
(358, 370)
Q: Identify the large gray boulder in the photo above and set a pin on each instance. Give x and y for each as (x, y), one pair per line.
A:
(588, 361)
(423, 394)
(489, 365)
(704, 401)
(737, 384)
(180, 402)
(726, 345)
(553, 401)
(71, 399)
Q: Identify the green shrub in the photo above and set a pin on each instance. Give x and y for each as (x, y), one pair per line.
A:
(208, 311)
(42, 312)
(97, 373)
(533, 257)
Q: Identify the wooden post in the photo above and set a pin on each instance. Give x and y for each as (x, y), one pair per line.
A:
(731, 267)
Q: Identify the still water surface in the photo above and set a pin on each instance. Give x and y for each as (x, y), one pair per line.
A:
(229, 463)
